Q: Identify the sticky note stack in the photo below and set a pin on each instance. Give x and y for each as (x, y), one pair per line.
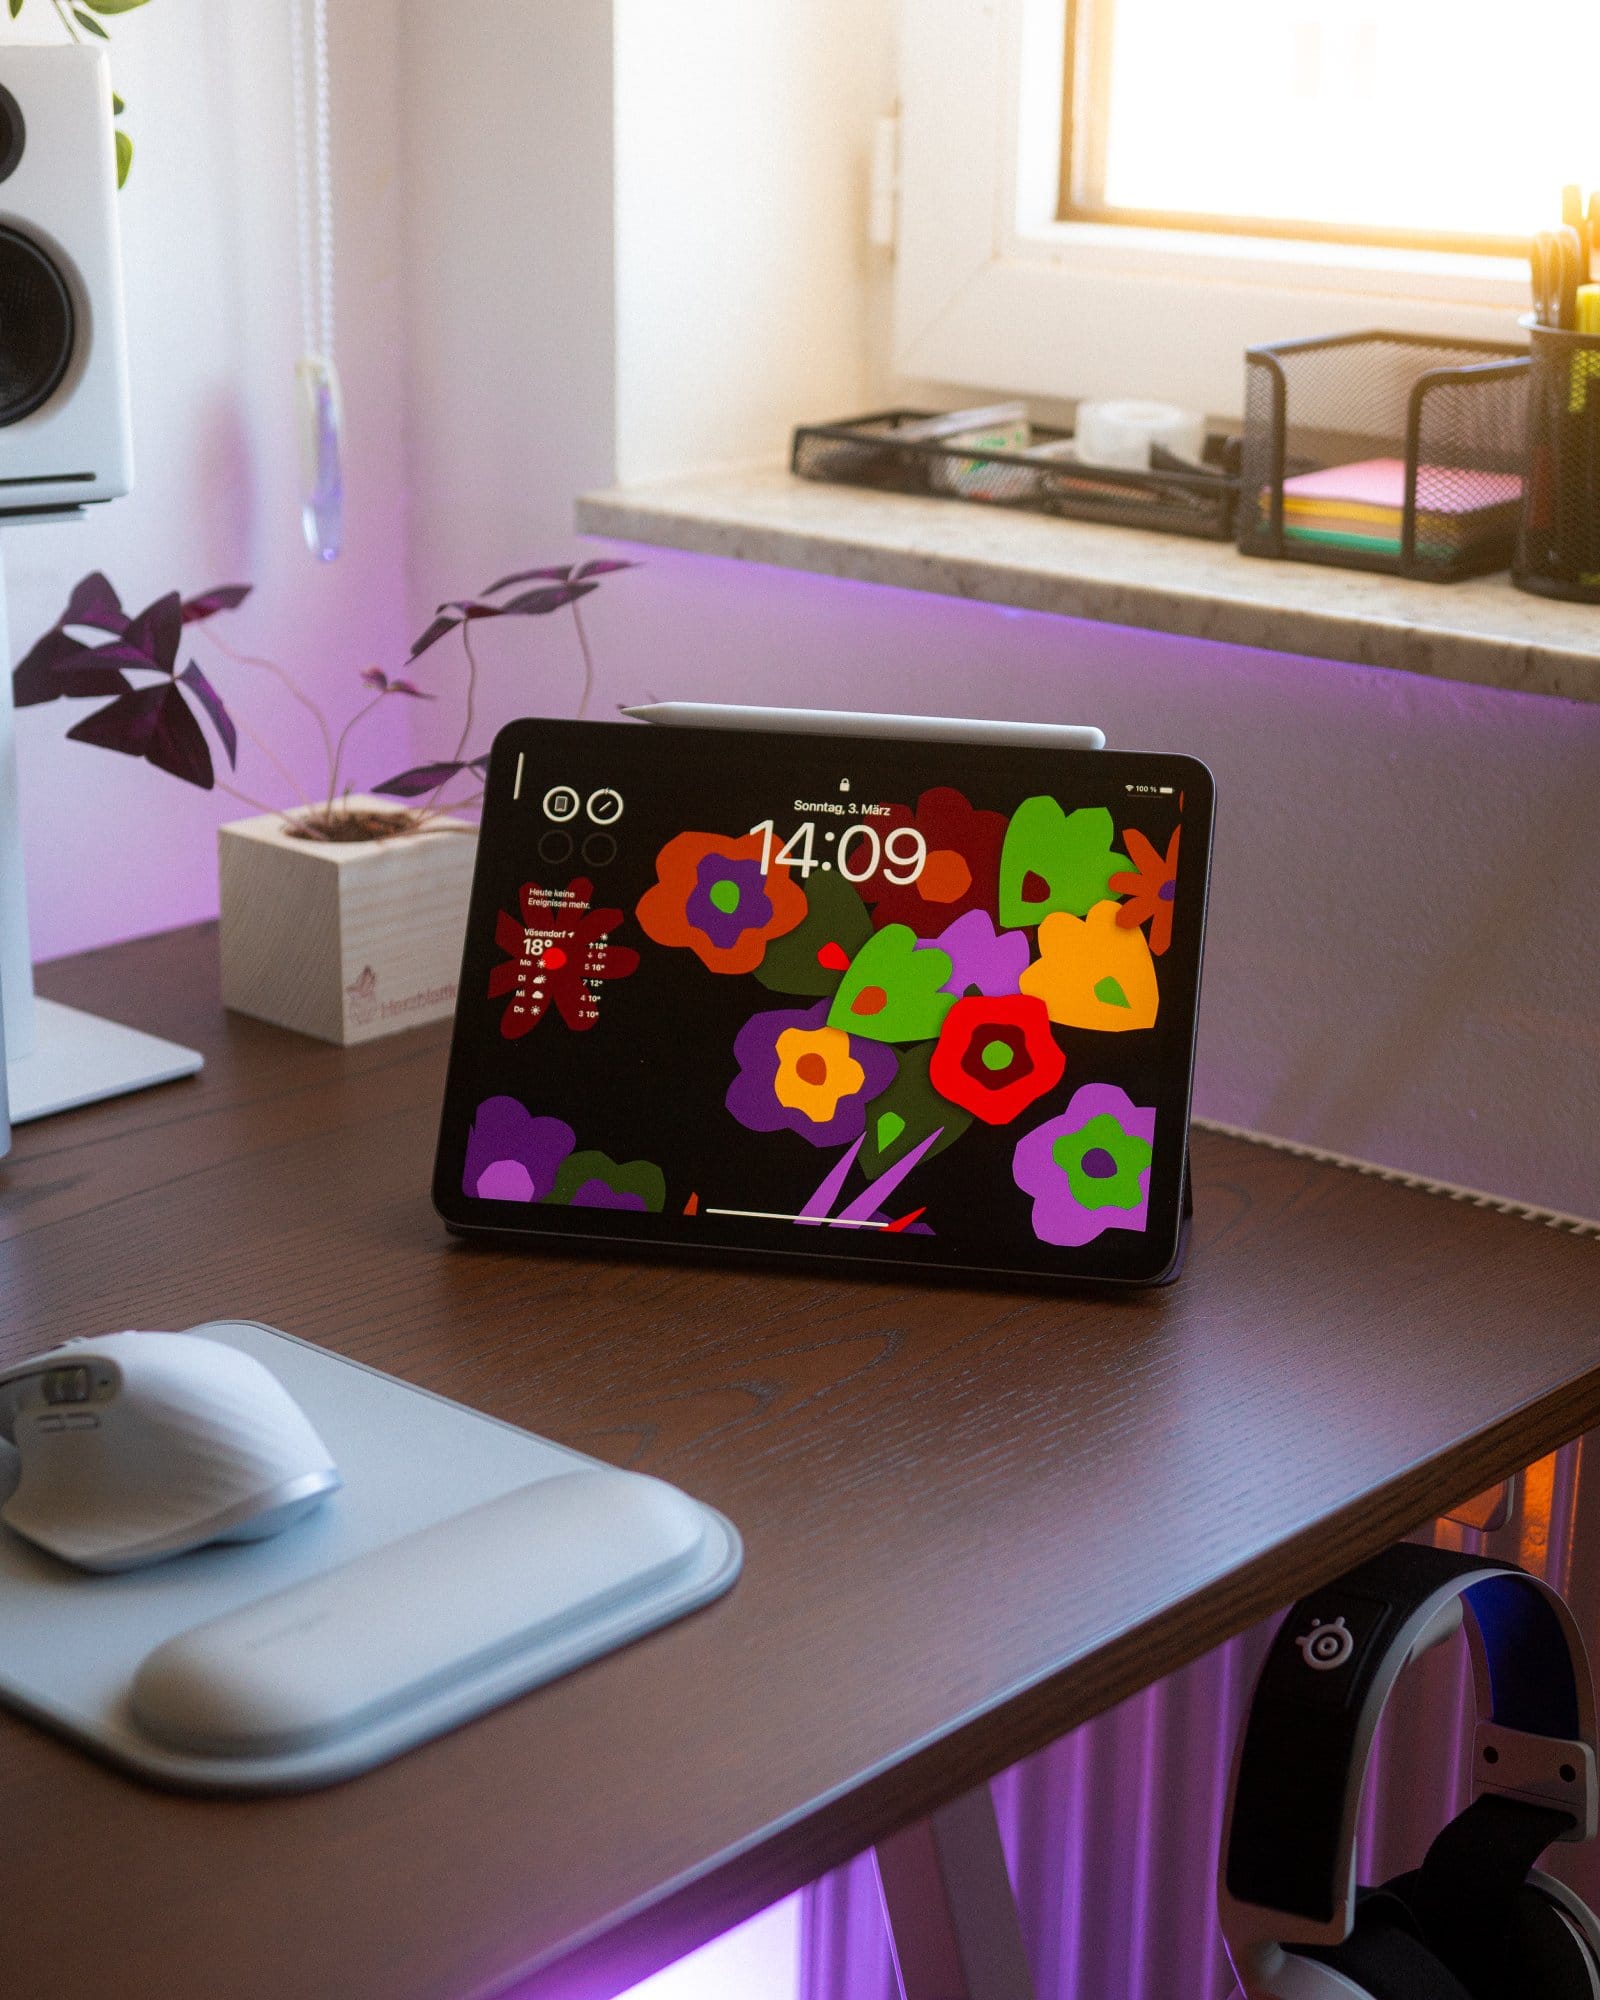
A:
(1360, 507)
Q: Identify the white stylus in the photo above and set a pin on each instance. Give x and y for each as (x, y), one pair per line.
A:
(849, 722)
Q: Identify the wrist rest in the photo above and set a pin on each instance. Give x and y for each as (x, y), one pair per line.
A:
(346, 1649)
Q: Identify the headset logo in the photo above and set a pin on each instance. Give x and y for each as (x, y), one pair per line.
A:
(1326, 1646)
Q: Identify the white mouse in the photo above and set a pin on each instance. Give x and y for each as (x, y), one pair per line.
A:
(138, 1446)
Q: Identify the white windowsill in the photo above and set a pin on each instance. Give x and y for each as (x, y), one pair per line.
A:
(1483, 631)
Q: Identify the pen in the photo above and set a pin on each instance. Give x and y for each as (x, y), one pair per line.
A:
(1545, 261)
(1585, 372)
(849, 722)
(1573, 217)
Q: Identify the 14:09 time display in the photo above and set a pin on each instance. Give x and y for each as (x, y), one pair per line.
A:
(859, 855)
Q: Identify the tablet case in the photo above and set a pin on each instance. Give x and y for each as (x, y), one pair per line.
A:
(416, 1467)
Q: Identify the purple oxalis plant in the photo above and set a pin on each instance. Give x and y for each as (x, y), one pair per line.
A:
(156, 709)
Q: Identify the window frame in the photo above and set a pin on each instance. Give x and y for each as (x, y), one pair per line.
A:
(992, 289)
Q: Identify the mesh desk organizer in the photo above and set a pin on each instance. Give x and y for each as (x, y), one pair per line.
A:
(1398, 452)
(71, 1643)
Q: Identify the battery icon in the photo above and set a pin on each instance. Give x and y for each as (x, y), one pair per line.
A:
(1166, 791)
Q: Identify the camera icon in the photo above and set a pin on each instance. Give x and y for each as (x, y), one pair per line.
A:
(1325, 1647)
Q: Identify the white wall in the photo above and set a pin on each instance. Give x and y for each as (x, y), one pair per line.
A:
(747, 297)
(114, 847)
(508, 284)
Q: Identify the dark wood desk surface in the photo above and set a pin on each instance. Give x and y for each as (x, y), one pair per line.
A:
(973, 1519)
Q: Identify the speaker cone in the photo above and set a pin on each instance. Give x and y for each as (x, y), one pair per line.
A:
(36, 327)
(13, 133)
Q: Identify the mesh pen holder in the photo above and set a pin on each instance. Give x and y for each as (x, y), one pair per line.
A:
(1398, 452)
(1558, 546)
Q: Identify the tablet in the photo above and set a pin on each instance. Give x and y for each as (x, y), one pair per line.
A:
(918, 1006)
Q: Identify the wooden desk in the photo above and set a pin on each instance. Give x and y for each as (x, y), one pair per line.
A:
(974, 1519)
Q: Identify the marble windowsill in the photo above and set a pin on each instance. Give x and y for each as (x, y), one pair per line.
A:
(1483, 631)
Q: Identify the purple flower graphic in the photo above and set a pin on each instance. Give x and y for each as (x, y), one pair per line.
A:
(1088, 1170)
(982, 957)
(729, 898)
(511, 1154)
(797, 1074)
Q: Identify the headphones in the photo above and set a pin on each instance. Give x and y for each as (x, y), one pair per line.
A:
(1477, 1921)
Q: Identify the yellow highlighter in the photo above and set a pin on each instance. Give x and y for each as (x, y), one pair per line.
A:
(1585, 365)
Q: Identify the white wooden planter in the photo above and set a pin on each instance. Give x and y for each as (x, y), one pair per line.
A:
(343, 940)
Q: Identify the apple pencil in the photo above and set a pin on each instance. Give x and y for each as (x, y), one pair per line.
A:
(850, 722)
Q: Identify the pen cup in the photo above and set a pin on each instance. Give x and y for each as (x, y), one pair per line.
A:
(1558, 544)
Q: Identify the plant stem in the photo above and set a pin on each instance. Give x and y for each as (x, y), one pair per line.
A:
(67, 21)
(431, 804)
(244, 798)
(338, 748)
(274, 760)
(472, 688)
(588, 660)
(272, 667)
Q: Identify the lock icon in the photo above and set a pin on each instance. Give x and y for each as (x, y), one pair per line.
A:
(1325, 1647)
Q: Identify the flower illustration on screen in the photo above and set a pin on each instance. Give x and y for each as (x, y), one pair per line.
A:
(514, 1154)
(559, 955)
(1088, 1170)
(798, 1074)
(995, 1057)
(1055, 860)
(960, 873)
(1092, 972)
(1150, 888)
(711, 898)
(982, 959)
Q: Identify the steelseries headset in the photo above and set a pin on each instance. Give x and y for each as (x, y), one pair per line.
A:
(1477, 1921)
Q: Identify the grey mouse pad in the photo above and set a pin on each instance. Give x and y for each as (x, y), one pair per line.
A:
(71, 1643)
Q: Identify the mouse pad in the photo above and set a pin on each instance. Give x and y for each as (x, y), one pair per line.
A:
(71, 1643)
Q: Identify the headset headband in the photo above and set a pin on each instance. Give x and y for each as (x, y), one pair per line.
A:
(1288, 1859)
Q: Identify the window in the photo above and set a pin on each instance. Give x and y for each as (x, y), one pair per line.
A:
(1393, 121)
(1174, 252)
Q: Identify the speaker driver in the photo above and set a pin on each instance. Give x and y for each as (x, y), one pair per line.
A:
(13, 133)
(36, 327)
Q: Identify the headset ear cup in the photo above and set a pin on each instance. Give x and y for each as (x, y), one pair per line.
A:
(1385, 1957)
(1554, 1961)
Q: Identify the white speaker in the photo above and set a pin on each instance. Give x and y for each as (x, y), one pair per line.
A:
(65, 437)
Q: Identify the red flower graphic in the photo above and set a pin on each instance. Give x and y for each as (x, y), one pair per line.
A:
(962, 870)
(1149, 886)
(996, 1055)
(558, 952)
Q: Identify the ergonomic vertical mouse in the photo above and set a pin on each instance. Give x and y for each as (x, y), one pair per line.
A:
(138, 1446)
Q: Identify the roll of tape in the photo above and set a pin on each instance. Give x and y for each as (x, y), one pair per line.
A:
(1121, 433)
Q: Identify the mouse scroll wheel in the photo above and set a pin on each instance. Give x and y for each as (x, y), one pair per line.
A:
(67, 1385)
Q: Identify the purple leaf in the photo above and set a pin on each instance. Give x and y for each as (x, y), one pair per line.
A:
(479, 764)
(558, 571)
(153, 723)
(410, 688)
(93, 602)
(211, 702)
(534, 602)
(151, 639)
(375, 677)
(433, 635)
(226, 597)
(59, 665)
(424, 778)
(604, 567)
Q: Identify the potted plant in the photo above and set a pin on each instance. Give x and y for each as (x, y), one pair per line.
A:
(341, 915)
